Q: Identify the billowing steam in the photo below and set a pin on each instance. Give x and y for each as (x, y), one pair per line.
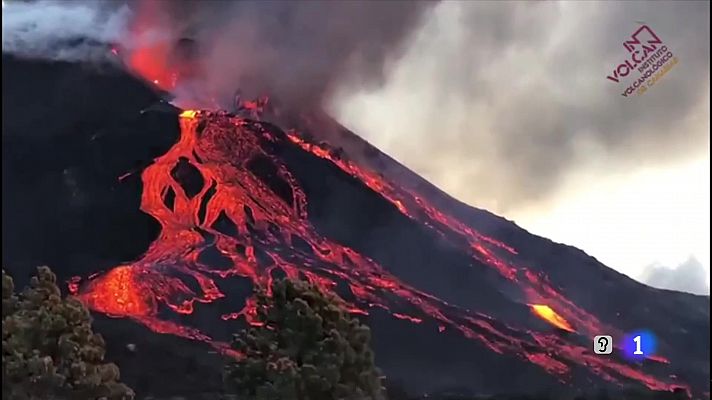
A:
(297, 50)
(70, 31)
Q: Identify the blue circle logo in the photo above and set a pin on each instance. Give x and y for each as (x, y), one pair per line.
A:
(639, 344)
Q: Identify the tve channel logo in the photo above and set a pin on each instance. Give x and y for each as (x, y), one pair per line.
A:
(638, 345)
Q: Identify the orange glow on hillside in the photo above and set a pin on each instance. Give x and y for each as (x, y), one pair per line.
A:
(550, 316)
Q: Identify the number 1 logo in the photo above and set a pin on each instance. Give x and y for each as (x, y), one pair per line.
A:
(640, 344)
(637, 341)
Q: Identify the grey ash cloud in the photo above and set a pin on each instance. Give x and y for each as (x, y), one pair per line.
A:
(298, 50)
(498, 102)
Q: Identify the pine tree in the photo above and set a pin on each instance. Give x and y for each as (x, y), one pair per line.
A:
(305, 347)
(48, 347)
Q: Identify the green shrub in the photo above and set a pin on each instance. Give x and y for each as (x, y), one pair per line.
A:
(307, 348)
(48, 348)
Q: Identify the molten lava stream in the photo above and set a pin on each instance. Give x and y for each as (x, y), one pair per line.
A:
(534, 285)
(549, 315)
(208, 200)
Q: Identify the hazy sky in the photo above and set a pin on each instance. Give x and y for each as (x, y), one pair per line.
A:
(506, 106)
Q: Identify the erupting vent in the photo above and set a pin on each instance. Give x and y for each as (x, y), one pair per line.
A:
(220, 219)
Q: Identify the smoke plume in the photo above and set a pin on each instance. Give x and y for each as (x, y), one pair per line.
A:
(297, 50)
(498, 103)
(69, 31)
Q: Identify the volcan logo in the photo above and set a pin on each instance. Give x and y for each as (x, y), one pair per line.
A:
(653, 39)
(649, 56)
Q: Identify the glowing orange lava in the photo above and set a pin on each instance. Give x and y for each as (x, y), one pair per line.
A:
(550, 316)
(188, 114)
(149, 63)
(232, 214)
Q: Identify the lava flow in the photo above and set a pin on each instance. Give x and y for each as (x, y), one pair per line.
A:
(220, 218)
(549, 315)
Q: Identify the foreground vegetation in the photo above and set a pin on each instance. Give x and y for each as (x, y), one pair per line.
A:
(48, 348)
(302, 345)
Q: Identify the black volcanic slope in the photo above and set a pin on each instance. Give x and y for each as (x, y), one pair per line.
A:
(445, 287)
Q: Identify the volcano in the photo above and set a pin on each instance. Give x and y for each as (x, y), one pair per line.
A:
(165, 221)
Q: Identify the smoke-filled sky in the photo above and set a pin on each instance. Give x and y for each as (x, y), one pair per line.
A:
(504, 105)
(296, 49)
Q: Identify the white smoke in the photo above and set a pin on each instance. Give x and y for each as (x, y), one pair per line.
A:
(690, 276)
(67, 30)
